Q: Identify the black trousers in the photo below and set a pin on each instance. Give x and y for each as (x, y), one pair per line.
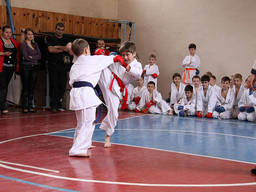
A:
(5, 78)
(28, 78)
(58, 80)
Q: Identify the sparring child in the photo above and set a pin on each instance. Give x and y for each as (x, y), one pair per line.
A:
(225, 100)
(186, 106)
(84, 75)
(206, 98)
(136, 94)
(101, 48)
(151, 71)
(152, 102)
(191, 64)
(196, 85)
(213, 83)
(113, 83)
(177, 89)
(238, 89)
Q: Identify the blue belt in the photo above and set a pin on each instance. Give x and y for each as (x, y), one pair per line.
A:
(79, 84)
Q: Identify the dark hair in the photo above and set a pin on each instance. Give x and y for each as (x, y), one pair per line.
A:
(189, 88)
(6, 27)
(60, 25)
(238, 76)
(225, 79)
(152, 55)
(78, 46)
(205, 78)
(33, 43)
(176, 75)
(192, 46)
(209, 73)
(213, 77)
(196, 77)
(128, 46)
(151, 83)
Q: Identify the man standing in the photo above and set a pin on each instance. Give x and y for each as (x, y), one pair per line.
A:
(58, 62)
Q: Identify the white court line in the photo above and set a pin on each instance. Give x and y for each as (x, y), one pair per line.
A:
(126, 183)
(28, 166)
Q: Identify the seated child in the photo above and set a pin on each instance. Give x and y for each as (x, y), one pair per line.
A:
(238, 89)
(225, 100)
(151, 71)
(101, 48)
(191, 64)
(152, 102)
(206, 98)
(196, 85)
(247, 104)
(84, 75)
(177, 89)
(136, 94)
(213, 83)
(186, 106)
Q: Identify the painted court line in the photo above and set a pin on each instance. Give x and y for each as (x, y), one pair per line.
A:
(36, 184)
(29, 166)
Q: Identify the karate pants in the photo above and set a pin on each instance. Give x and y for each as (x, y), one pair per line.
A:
(223, 115)
(247, 116)
(84, 131)
(132, 106)
(160, 108)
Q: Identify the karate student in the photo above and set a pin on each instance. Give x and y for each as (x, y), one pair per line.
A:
(177, 89)
(238, 89)
(191, 64)
(151, 71)
(225, 100)
(206, 98)
(113, 83)
(186, 106)
(196, 86)
(213, 83)
(152, 102)
(84, 75)
(101, 48)
(136, 94)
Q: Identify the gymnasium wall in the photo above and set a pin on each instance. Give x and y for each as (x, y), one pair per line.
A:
(90, 8)
(224, 31)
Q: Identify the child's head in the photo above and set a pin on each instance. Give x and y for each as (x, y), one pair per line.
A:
(212, 80)
(152, 59)
(140, 82)
(151, 86)
(176, 78)
(209, 73)
(192, 49)
(101, 44)
(128, 51)
(225, 82)
(196, 81)
(238, 79)
(80, 46)
(189, 91)
(205, 80)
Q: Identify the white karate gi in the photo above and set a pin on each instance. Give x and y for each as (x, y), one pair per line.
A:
(196, 95)
(136, 93)
(189, 106)
(84, 100)
(190, 69)
(226, 103)
(235, 110)
(112, 98)
(160, 107)
(206, 103)
(216, 87)
(247, 100)
(176, 94)
(150, 70)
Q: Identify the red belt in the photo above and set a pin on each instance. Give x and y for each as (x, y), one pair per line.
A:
(187, 69)
(122, 88)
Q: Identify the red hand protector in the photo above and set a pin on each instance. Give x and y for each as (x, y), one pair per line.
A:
(199, 114)
(99, 52)
(136, 100)
(154, 75)
(119, 59)
(209, 115)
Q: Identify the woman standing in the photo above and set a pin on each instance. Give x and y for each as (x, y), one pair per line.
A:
(29, 65)
(9, 59)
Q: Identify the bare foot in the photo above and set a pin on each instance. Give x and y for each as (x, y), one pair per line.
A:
(92, 146)
(107, 142)
(170, 113)
(80, 155)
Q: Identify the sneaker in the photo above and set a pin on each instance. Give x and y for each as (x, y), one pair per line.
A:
(61, 109)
